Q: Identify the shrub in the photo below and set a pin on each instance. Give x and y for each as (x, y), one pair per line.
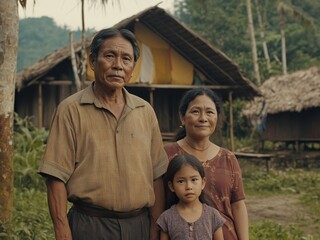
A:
(31, 219)
(29, 145)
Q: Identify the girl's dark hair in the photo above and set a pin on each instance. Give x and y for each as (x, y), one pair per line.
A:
(188, 97)
(104, 34)
(174, 166)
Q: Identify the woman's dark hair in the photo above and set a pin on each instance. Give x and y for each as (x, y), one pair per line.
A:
(174, 166)
(188, 97)
(104, 34)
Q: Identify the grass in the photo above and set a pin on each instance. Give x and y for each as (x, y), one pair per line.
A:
(304, 183)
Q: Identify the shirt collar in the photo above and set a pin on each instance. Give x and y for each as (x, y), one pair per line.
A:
(88, 97)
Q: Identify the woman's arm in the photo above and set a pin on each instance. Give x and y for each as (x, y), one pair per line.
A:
(239, 211)
(57, 201)
(218, 235)
(164, 236)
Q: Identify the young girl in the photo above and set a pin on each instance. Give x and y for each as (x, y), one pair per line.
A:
(188, 217)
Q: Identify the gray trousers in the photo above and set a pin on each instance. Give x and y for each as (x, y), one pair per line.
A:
(84, 227)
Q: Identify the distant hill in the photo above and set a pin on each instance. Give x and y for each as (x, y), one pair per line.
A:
(40, 36)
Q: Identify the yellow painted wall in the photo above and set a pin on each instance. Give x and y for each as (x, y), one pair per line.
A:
(136, 70)
(90, 74)
(170, 66)
(181, 70)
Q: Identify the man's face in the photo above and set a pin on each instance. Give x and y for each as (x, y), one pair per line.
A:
(114, 64)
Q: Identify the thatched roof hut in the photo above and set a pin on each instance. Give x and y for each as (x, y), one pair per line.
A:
(293, 92)
(291, 104)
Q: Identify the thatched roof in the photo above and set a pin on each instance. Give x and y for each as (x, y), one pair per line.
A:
(216, 66)
(293, 92)
(36, 71)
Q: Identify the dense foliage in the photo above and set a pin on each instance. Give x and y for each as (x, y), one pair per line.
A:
(224, 24)
(39, 37)
(30, 218)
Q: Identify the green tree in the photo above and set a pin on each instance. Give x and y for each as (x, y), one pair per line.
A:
(224, 25)
(33, 32)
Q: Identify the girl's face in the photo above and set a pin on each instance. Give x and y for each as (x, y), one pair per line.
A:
(201, 117)
(187, 184)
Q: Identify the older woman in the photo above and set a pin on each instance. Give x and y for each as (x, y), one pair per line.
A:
(199, 110)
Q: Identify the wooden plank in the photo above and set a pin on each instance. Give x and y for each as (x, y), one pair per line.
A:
(172, 86)
(253, 155)
(262, 156)
(168, 136)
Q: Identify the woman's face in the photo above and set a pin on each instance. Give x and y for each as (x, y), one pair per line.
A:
(201, 117)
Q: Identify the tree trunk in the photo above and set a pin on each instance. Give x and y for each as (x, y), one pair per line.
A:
(74, 63)
(262, 35)
(9, 25)
(83, 48)
(283, 43)
(253, 43)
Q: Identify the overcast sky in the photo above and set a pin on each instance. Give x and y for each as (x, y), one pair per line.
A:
(68, 12)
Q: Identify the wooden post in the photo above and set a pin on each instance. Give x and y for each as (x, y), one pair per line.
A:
(231, 121)
(40, 105)
(151, 96)
(74, 64)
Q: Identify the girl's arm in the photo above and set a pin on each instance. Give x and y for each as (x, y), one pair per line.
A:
(218, 235)
(239, 211)
(164, 236)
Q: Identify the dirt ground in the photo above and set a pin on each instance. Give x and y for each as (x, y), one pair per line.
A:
(283, 209)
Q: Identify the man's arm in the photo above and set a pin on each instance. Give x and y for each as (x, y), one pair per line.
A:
(239, 211)
(157, 208)
(57, 201)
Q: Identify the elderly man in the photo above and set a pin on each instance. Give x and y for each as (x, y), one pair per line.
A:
(105, 153)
